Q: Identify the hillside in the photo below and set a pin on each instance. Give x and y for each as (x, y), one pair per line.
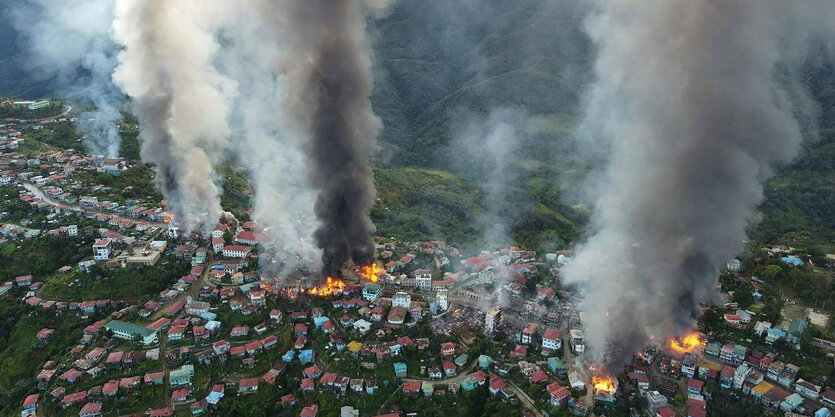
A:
(435, 60)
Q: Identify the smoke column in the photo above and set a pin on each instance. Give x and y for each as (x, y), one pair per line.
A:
(686, 107)
(268, 144)
(483, 146)
(69, 39)
(178, 96)
(328, 81)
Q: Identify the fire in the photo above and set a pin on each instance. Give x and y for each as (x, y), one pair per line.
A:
(688, 343)
(330, 287)
(371, 272)
(603, 384)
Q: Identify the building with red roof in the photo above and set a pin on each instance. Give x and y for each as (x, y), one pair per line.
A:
(91, 409)
(310, 411)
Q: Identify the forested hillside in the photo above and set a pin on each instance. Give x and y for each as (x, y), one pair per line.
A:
(436, 60)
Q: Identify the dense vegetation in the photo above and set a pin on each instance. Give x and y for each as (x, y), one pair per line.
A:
(120, 283)
(42, 256)
(10, 111)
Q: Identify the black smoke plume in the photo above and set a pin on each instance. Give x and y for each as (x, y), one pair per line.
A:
(329, 81)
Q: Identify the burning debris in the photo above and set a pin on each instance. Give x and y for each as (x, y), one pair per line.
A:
(331, 286)
(371, 272)
(688, 343)
(605, 387)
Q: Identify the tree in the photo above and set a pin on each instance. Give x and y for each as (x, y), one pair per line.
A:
(772, 271)
(744, 295)
(710, 321)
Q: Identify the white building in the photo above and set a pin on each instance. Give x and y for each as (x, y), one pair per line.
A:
(370, 292)
(578, 343)
(72, 230)
(655, 401)
(236, 251)
(486, 276)
(740, 374)
(423, 280)
(552, 339)
(101, 249)
(401, 299)
(173, 232)
(492, 320)
(442, 298)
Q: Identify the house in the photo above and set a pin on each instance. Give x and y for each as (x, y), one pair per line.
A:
(44, 335)
(154, 378)
(497, 385)
(807, 389)
(449, 368)
(312, 372)
(410, 388)
(181, 376)
(23, 280)
(726, 376)
(447, 349)
(101, 249)
(310, 411)
(640, 380)
(528, 333)
(247, 385)
(695, 386)
(180, 395)
(551, 340)
(91, 409)
(791, 403)
(400, 369)
(558, 393)
(30, 402)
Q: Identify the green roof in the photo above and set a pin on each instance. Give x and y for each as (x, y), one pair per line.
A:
(129, 328)
(555, 363)
(713, 347)
(469, 383)
(461, 359)
(797, 327)
(740, 350)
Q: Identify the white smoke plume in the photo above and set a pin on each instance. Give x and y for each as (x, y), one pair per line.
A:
(686, 107)
(181, 101)
(69, 40)
(268, 145)
(484, 147)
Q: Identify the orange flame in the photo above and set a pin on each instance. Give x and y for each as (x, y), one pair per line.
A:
(330, 287)
(603, 384)
(688, 343)
(371, 272)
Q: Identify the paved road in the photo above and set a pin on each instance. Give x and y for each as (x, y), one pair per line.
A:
(67, 109)
(34, 189)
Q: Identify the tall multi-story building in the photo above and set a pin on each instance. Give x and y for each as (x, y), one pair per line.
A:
(423, 280)
(492, 320)
(101, 249)
(578, 341)
(401, 299)
(655, 401)
(442, 298)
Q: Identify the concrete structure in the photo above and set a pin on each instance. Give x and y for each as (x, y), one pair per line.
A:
(578, 341)
(401, 299)
(101, 249)
(492, 320)
(655, 401)
(442, 298)
(130, 331)
(370, 292)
